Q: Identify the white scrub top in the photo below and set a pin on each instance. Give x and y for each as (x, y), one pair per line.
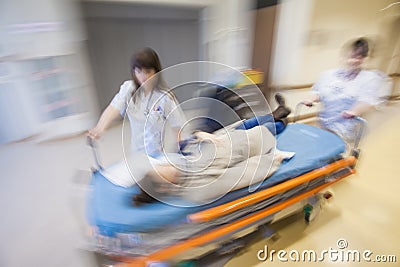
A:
(148, 128)
(338, 94)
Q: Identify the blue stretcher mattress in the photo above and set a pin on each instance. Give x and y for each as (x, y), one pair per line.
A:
(110, 206)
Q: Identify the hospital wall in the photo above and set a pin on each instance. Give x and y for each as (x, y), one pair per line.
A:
(45, 80)
(47, 44)
(311, 33)
(116, 30)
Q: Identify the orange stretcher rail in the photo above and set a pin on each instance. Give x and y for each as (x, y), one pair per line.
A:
(232, 206)
(171, 251)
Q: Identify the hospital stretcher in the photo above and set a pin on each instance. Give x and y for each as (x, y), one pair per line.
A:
(160, 235)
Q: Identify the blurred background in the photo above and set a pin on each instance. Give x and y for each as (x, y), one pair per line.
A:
(62, 61)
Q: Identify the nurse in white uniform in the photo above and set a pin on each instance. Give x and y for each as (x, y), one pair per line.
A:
(346, 92)
(147, 102)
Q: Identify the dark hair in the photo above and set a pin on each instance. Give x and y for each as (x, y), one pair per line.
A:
(147, 58)
(360, 47)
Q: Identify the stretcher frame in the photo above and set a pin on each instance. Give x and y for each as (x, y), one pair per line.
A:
(331, 173)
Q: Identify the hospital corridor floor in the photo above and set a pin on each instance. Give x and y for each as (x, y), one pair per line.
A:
(43, 194)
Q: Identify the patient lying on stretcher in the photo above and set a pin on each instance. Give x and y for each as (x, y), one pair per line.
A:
(212, 164)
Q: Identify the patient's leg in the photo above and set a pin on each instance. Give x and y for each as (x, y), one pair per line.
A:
(275, 127)
(280, 125)
(255, 121)
(282, 111)
(275, 122)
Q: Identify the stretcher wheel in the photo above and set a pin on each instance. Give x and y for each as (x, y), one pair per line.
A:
(311, 211)
(327, 195)
(187, 263)
(355, 153)
(307, 212)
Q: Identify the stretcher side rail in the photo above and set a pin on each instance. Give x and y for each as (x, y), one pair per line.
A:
(224, 209)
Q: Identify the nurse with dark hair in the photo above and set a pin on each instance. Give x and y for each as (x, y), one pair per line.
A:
(147, 102)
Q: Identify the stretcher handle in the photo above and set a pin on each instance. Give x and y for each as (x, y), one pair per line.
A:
(92, 143)
(297, 111)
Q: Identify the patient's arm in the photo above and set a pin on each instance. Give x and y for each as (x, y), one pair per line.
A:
(203, 136)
